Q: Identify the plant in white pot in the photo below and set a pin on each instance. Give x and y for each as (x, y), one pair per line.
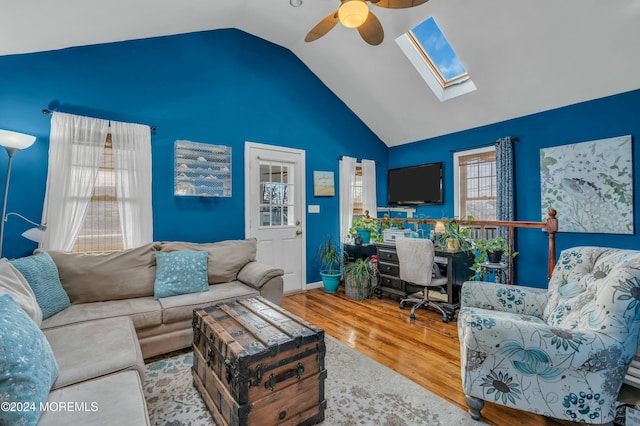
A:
(330, 256)
(359, 279)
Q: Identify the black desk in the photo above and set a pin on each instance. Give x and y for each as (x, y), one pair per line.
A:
(362, 251)
(454, 264)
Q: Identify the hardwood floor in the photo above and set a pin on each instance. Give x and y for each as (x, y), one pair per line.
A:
(425, 350)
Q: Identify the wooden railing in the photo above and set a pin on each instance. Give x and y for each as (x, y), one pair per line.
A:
(550, 225)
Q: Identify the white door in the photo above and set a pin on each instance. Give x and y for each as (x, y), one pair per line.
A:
(274, 208)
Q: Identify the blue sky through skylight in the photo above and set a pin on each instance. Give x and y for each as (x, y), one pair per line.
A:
(437, 47)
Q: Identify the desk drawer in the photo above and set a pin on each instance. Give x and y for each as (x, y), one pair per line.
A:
(391, 282)
(385, 254)
(389, 269)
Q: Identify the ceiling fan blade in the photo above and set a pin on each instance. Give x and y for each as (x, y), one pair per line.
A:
(322, 27)
(397, 4)
(371, 31)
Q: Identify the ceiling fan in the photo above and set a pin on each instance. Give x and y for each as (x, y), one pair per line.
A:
(356, 14)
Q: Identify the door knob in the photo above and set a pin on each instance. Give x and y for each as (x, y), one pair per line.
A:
(298, 232)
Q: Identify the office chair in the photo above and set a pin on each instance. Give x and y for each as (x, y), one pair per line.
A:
(416, 260)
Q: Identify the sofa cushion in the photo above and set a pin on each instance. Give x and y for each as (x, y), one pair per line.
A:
(12, 282)
(42, 275)
(107, 276)
(180, 272)
(116, 399)
(143, 311)
(28, 366)
(226, 258)
(178, 308)
(92, 349)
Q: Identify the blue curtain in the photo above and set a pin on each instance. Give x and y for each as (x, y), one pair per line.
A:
(504, 177)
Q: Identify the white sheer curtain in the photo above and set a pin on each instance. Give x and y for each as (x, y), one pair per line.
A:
(369, 201)
(347, 176)
(132, 164)
(76, 146)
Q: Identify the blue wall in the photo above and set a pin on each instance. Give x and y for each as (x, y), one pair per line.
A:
(597, 119)
(227, 87)
(221, 87)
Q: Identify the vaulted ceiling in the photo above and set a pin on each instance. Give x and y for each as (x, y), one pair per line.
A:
(524, 57)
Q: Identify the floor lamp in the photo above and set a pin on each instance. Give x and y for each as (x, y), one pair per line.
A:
(12, 142)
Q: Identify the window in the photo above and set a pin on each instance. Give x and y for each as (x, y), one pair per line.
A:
(358, 192)
(475, 183)
(276, 194)
(101, 230)
(433, 57)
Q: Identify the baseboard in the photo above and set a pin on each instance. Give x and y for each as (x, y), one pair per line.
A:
(317, 284)
(309, 286)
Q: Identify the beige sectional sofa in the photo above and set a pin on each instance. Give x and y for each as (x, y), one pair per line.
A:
(114, 322)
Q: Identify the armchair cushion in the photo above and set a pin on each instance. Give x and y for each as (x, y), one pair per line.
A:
(504, 297)
(533, 345)
(594, 288)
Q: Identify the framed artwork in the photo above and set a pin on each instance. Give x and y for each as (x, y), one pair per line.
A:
(590, 184)
(323, 184)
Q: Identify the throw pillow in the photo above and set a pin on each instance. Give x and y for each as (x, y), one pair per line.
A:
(29, 368)
(12, 282)
(41, 273)
(226, 258)
(180, 272)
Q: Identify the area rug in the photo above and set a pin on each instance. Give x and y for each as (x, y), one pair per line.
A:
(359, 391)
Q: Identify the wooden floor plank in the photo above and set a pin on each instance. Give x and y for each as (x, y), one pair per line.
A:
(425, 350)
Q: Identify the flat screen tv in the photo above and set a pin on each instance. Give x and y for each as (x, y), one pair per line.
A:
(415, 185)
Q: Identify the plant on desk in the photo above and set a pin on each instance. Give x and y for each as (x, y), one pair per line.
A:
(359, 279)
(453, 236)
(489, 251)
(366, 227)
(331, 257)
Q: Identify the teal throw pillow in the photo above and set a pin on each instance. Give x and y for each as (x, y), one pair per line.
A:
(41, 273)
(180, 272)
(28, 366)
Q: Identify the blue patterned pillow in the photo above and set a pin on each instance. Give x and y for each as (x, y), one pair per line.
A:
(41, 273)
(180, 272)
(28, 366)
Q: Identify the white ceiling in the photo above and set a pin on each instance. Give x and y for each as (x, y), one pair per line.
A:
(524, 57)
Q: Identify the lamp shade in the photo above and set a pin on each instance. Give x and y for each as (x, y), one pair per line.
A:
(15, 140)
(34, 234)
(353, 13)
(439, 228)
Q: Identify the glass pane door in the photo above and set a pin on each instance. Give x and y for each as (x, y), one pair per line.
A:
(276, 194)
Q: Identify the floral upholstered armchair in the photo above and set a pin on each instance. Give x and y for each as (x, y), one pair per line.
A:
(561, 352)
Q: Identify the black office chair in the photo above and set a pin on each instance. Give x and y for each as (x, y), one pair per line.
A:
(416, 258)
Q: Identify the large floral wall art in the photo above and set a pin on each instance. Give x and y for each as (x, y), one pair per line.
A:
(590, 184)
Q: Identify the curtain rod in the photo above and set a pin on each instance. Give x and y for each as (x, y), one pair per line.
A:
(358, 160)
(46, 111)
(514, 139)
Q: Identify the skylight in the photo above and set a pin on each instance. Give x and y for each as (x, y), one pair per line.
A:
(431, 54)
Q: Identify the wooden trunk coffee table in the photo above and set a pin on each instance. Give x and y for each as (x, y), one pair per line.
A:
(254, 363)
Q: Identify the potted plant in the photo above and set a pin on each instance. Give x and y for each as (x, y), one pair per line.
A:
(489, 251)
(454, 237)
(359, 279)
(366, 227)
(330, 255)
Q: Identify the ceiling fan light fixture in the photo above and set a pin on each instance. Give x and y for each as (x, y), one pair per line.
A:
(353, 13)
